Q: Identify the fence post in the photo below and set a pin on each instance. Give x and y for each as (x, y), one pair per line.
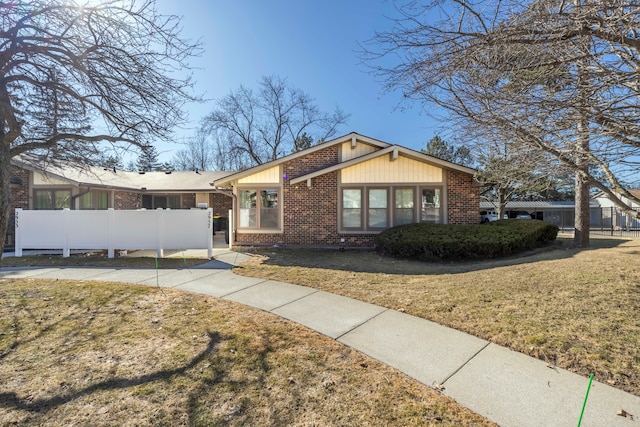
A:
(160, 232)
(111, 219)
(18, 237)
(612, 212)
(66, 217)
(210, 232)
(230, 226)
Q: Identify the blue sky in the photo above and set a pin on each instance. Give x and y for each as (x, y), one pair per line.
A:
(313, 44)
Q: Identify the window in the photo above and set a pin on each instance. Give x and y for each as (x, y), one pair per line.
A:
(352, 208)
(94, 200)
(430, 205)
(151, 201)
(403, 206)
(52, 199)
(258, 208)
(268, 209)
(378, 208)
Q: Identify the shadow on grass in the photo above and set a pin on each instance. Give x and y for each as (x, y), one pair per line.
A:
(10, 399)
(370, 261)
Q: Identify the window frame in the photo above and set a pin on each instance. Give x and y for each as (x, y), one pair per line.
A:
(386, 209)
(441, 201)
(52, 192)
(166, 196)
(416, 212)
(259, 209)
(361, 208)
(95, 203)
(395, 200)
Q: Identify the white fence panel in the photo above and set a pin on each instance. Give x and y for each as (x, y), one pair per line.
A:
(136, 229)
(47, 229)
(111, 229)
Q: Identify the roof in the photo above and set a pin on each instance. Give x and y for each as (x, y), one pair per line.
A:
(101, 177)
(384, 148)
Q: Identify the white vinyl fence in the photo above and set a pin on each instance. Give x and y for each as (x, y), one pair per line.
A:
(114, 229)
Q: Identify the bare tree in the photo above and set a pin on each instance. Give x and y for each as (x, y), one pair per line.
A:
(199, 154)
(272, 122)
(511, 171)
(75, 76)
(559, 77)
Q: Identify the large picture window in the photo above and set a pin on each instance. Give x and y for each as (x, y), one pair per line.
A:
(52, 199)
(152, 201)
(258, 208)
(96, 200)
(377, 208)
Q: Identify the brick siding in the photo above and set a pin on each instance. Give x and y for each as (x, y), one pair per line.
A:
(188, 200)
(127, 200)
(311, 213)
(463, 199)
(221, 204)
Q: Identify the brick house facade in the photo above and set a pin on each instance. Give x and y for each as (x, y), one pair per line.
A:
(311, 187)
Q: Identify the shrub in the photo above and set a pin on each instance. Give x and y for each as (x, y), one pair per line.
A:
(452, 241)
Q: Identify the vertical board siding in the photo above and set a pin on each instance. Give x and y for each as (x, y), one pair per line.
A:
(268, 176)
(348, 153)
(383, 170)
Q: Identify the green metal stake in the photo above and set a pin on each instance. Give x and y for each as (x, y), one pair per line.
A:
(584, 405)
(157, 279)
(184, 259)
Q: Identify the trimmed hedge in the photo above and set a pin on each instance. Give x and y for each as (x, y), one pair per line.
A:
(454, 242)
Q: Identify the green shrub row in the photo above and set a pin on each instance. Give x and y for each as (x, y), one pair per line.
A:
(455, 242)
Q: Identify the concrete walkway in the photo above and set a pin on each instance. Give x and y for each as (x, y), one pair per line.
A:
(504, 386)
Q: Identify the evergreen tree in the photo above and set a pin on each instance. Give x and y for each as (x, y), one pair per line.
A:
(148, 160)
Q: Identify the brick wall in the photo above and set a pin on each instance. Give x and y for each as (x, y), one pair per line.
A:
(463, 198)
(220, 204)
(126, 200)
(188, 200)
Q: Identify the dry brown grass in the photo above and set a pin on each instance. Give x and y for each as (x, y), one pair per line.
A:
(577, 309)
(103, 354)
(100, 259)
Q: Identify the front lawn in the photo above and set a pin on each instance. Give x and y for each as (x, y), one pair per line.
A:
(576, 309)
(105, 354)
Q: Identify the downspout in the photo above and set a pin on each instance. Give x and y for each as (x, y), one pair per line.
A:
(76, 196)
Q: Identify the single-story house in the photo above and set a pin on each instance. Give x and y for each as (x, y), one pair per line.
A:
(345, 191)
(604, 214)
(59, 185)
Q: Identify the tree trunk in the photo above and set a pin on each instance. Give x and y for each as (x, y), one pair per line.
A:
(502, 202)
(5, 193)
(582, 148)
(582, 214)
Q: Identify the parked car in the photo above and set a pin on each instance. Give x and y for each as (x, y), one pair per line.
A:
(519, 214)
(490, 215)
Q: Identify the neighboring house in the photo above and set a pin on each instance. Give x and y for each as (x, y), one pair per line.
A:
(59, 185)
(619, 219)
(604, 215)
(345, 191)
